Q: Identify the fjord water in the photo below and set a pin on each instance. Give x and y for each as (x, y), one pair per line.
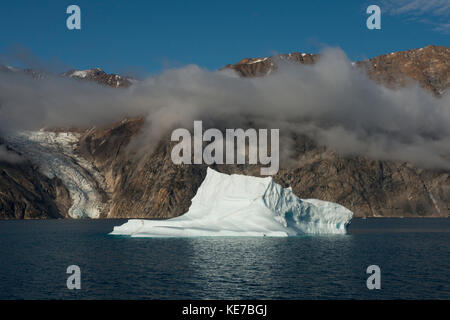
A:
(413, 254)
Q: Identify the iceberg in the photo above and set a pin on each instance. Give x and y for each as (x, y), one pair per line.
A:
(239, 205)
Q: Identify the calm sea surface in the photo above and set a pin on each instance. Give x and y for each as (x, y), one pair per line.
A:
(413, 254)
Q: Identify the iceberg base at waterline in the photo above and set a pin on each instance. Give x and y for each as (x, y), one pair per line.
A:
(238, 205)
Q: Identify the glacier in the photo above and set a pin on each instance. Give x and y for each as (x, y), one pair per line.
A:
(54, 154)
(240, 205)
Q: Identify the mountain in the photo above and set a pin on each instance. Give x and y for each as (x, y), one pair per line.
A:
(130, 184)
(100, 76)
(95, 75)
(254, 67)
(429, 66)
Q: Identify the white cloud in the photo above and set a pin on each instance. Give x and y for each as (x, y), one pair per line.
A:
(433, 12)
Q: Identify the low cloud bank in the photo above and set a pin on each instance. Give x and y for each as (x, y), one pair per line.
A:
(330, 101)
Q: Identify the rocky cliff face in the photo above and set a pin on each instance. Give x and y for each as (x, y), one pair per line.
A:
(149, 185)
(25, 193)
(429, 66)
(152, 186)
(139, 185)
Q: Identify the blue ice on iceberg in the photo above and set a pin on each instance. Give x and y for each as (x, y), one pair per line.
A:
(240, 205)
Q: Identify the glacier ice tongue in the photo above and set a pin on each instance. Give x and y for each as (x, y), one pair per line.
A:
(54, 154)
(239, 205)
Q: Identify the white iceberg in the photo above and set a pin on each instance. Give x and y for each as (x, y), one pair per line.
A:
(239, 205)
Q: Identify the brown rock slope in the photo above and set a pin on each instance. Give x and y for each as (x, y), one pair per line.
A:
(152, 186)
(429, 66)
(139, 185)
(25, 193)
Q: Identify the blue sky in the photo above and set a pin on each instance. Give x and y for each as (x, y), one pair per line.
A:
(142, 37)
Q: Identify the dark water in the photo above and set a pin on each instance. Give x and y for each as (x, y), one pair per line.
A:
(413, 254)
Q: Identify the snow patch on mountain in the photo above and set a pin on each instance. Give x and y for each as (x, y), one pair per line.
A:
(258, 60)
(79, 73)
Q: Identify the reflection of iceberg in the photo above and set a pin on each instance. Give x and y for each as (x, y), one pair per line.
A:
(239, 205)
